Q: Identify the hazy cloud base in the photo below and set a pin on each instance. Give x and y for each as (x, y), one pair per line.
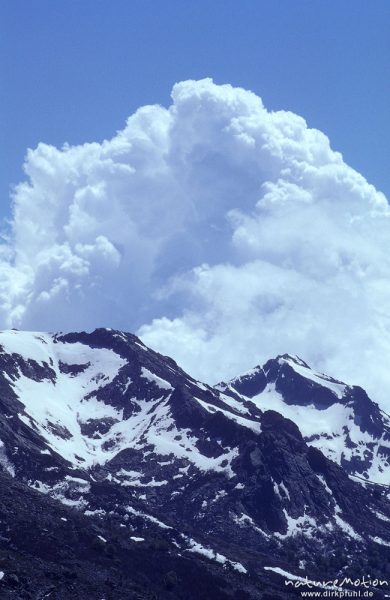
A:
(222, 232)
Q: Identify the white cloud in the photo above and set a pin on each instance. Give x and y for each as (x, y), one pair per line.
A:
(223, 232)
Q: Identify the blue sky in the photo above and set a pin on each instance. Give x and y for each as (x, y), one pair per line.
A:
(73, 71)
(221, 232)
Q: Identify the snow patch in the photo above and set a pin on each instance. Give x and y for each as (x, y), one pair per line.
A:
(138, 513)
(346, 527)
(382, 516)
(245, 422)
(161, 383)
(5, 462)
(379, 540)
(303, 524)
(197, 548)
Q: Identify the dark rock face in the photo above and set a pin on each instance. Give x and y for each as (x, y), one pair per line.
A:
(194, 490)
(250, 384)
(295, 387)
(72, 369)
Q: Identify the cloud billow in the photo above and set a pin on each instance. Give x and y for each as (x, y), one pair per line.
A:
(222, 232)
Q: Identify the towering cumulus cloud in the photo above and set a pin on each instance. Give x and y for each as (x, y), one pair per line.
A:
(222, 232)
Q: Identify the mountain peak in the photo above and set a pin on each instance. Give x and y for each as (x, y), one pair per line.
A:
(337, 418)
(292, 358)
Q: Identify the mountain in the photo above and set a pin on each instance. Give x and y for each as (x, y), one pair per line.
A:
(338, 419)
(220, 478)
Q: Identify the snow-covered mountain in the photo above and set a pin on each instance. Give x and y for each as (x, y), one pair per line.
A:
(338, 419)
(105, 425)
